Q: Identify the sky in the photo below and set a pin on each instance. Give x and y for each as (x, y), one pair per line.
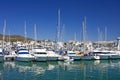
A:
(44, 13)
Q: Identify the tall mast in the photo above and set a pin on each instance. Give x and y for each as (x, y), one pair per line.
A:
(58, 26)
(83, 37)
(58, 31)
(9, 36)
(84, 32)
(101, 36)
(35, 34)
(81, 34)
(105, 33)
(62, 33)
(75, 36)
(25, 32)
(98, 36)
(84, 29)
(4, 29)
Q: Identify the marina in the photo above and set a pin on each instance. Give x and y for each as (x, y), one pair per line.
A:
(59, 40)
(20, 51)
(34, 50)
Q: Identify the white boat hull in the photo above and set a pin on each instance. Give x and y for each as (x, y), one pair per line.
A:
(62, 58)
(41, 58)
(52, 58)
(90, 57)
(24, 55)
(75, 57)
(115, 56)
(96, 57)
(104, 57)
(86, 57)
(24, 58)
(69, 60)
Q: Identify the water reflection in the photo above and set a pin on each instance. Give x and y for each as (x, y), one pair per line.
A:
(1, 67)
(77, 70)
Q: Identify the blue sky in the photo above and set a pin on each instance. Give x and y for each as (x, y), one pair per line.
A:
(44, 13)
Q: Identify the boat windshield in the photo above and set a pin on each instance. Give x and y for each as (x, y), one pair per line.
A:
(23, 53)
(40, 53)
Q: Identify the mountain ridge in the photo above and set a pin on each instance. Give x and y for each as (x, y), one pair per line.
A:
(14, 38)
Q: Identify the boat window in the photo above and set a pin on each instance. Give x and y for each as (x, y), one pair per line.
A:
(97, 52)
(107, 53)
(22, 49)
(101, 52)
(23, 53)
(1, 53)
(40, 53)
(71, 53)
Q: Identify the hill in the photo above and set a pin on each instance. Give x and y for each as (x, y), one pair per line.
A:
(14, 38)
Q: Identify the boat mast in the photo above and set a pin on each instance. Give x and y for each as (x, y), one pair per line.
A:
(25, 32)
(9, 36)
(84, 33)
(75, 36)
(101, 36)
(58, 28)
(35, 34)
(4, 29)
(62, 33)
(98, 37)
(105, 33)
(58, 31)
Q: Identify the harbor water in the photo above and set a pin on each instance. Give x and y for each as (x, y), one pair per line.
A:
(58, 70)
